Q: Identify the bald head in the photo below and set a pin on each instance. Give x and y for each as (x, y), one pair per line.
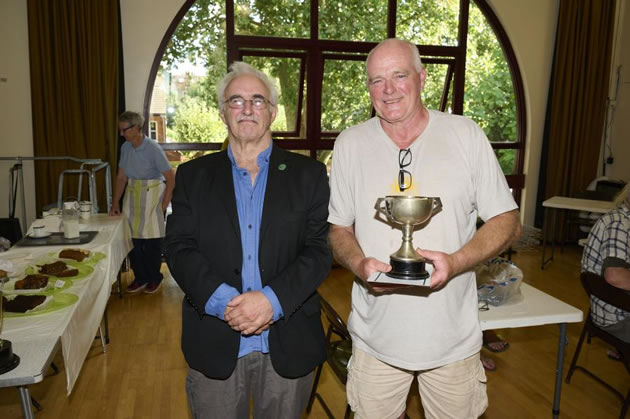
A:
(389, 45)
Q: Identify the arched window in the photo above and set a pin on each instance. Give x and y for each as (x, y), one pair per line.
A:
(315, 50)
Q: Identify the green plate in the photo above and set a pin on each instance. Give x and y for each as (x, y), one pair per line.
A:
(46, 291)
(60, 300)
(85, 270)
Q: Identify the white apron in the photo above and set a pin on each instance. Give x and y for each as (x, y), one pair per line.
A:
(143, 208)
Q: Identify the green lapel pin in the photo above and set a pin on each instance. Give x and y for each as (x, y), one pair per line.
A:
(282, 166)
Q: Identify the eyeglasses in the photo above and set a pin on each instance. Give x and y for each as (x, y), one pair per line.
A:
(123, 130)
(237, 102)
(404, 176)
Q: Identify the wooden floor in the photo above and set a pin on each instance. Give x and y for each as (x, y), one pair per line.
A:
(142, 374)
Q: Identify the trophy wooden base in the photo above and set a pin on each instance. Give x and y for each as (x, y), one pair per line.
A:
(407, 270)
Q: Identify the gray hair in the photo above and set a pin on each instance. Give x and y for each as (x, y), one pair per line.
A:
(239, 68)
(415, 54)
(132, 118)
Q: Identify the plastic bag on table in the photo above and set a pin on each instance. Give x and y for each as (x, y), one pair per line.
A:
(499, 282)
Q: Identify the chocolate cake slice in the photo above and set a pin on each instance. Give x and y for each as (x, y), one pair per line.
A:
(32, 282)
(22, 303)
(53, 268)
(74, 254)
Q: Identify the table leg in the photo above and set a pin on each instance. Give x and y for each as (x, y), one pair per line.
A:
(562, 343)
(119, 279)
(25, 401)
(553, 236)
(106, 328)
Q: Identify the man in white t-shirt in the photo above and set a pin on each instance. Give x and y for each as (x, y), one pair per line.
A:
(434, 332)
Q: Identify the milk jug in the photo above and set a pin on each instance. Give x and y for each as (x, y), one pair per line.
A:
(70, 220)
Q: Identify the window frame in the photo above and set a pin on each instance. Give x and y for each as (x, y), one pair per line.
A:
(313, 52)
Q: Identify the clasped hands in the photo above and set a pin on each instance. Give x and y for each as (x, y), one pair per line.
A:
(250, 313)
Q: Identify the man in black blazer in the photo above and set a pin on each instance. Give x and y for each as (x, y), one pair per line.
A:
(247, 243)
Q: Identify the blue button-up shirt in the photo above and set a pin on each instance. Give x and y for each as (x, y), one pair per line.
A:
(249, 204)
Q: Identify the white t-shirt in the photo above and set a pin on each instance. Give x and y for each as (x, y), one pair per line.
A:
(452, 159)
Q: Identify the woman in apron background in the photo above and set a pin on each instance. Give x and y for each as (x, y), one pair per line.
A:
(146, 172)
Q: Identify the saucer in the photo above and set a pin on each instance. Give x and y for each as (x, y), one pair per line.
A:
(43, 236)
(15, 255)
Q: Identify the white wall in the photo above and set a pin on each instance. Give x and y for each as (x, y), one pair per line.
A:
(144, 23)
(619, 131)
(16, 134)
(531, 27)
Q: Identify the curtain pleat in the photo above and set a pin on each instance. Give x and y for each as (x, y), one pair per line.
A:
(578, 100)
(74, 87)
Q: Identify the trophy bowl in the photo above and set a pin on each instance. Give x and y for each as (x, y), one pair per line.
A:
(408, 211)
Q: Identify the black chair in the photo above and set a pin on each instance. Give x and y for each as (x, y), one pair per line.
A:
(597, 286)
(10, 227)
(339, 351)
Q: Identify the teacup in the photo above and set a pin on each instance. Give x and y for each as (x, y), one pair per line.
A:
(85, 207)
(38, 231)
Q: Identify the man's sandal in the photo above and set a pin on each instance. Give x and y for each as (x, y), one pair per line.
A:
(494, 343)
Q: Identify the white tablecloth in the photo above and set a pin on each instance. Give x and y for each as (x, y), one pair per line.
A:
(78, 324)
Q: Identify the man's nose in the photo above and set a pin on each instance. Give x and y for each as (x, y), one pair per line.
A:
(389, 86)
(248, 107)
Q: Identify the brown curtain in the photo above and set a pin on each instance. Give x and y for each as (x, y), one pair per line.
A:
(74, 49)
(579, 88)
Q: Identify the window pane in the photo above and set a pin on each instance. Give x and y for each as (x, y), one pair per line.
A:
(434, 86)
(353, 20)
(283, 18)
(507, 160)
(195, 121)
(325, 156)
(428, 22)
(192, 64)
(489, 94)
(285, 72)
(345, 98)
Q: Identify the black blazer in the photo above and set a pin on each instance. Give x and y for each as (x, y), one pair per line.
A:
(203, 250)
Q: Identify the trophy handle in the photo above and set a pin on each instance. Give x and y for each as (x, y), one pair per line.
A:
(381, 207)
(437, 205)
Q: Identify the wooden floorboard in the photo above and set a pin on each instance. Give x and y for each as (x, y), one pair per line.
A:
(142, 374)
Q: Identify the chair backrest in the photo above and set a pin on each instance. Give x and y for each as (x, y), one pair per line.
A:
(336, 322)
(10, 229)
(596, 285)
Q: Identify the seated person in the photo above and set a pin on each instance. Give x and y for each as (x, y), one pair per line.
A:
(607, 253)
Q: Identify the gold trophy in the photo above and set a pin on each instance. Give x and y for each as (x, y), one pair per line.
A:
(408, 211)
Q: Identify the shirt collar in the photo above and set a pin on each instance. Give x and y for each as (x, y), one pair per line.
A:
(142, 145)
(262, 159)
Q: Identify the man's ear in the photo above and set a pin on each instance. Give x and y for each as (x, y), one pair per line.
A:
(274, 113)
(423, 78)
(222, 116)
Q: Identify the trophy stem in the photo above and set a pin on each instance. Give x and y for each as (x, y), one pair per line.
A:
(406, 251)
(407, 230)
